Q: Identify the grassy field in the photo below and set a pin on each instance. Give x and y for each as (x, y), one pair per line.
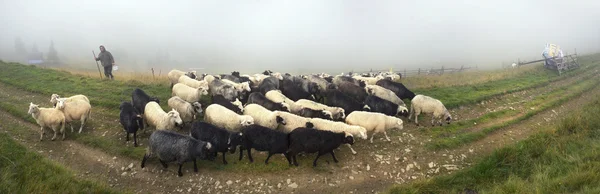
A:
(23, 171)
(561, 159)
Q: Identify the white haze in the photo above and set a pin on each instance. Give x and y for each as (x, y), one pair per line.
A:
(300, 36)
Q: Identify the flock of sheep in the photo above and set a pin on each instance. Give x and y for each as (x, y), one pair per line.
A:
(272, 112)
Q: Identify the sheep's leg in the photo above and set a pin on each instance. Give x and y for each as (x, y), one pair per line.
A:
(179, 173)
(164, 164)
(295, 160)
(371, 136)
(62, 131)
(350, 146)
(126, 136)
(417, 118)
(195, 166)
(54, 137)
(287, 156)
(432, 120)
(250, 155)
(71, 125)
(134, 139)
(224, 161)
(315, 161)
(144, 160)
(241, 153)
(333, 155)
(82, 123)
(267, 160)
(411, 112)
(41, 133)
(386, 136)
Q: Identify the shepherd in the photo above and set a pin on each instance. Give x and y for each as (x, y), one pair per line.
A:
(107, 61)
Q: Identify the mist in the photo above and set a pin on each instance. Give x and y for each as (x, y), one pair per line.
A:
(298, 36)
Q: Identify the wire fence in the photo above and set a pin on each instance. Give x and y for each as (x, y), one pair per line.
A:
(422, 71)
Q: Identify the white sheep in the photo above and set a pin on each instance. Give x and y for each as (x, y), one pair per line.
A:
(187, 111)
(240, 87)
(187, 93)
(192, 82)
(222, 117)
(385, 94)
(335, 126)
(292, 121)
(375, 122)
(264, 117)
(277, 97)
(174, 75)
(155, 116)
(209, 78)
(54, 98)
(48, 117)
(75, 110)
(368, 80)
(337, 112)
(428, 105)
(514, 65)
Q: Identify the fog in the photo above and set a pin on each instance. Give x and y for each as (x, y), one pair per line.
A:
(298, 36)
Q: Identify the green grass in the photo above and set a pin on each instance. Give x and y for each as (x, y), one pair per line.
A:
(541, 103)
(23, 171)
(561, 159)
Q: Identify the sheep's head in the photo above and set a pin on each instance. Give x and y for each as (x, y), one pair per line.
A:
(285, 107)
(245, 86)
(197, 107)
(348, 139)
(366, 108)
(202, 90)
(54, 98)
(280, 120)
(60, 104)
(174, 116)
(205, 151)
(236, 74)
(191, 74)
(234, 140)
(340, 114)
(277, 75)
(246, 120)
(155, 99)
(33, 108)
(327, 115)
(402, 111)
(238, 103)
(362, 132)
(448, 117)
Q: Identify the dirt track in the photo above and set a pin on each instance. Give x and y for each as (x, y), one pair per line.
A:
(376, 166)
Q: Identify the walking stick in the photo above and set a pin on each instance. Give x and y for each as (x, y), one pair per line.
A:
(97, 65)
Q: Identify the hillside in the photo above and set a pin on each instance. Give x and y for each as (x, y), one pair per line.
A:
(490, 112)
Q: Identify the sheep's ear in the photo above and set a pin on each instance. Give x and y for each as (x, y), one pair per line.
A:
(138, 116)
(208, 145)
(241, 134)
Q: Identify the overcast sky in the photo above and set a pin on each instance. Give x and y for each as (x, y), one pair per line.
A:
(313, 35)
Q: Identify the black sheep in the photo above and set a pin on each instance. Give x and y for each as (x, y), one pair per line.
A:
(131, 121)
(231, 78)
(222, 139)
(264, 139)
(170, 146)
(260, 99)
(139, 98)
(398, 88)
(339, 99)
(341, 79)
(380, 105)
(310, 113)
(268, 84)
(354, 91)
(309, 140)
(220, 100)
(293, 91)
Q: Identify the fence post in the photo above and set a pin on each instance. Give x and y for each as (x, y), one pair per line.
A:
(152, 73)
(442, 73)
(405, 72)
(419, 73)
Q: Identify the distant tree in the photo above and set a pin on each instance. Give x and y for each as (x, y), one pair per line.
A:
(20, 48)
(34, 49)
(52, 56)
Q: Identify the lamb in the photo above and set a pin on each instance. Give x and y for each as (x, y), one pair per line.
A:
(235, 106)
(187, 93)
(260, 99)
(174, 75)
(383, 93)
(398, 88)
(48, 117)
(169, 146)
(337, 112)
(292, 122)
(368, 80)
(264, 139)
(264, 117)
(192, 82)
(130, 120)
(187, 111)
(375, 122)
(139, 98)
(311, 140)
(155, 116)
(222, 117)
(219, 87)
(376, 104)
(335, 126)
(425, 104)
(54, 98)
(75, 110)
(209, 78)
(278, 97)
(221, 139)
(310, 113)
